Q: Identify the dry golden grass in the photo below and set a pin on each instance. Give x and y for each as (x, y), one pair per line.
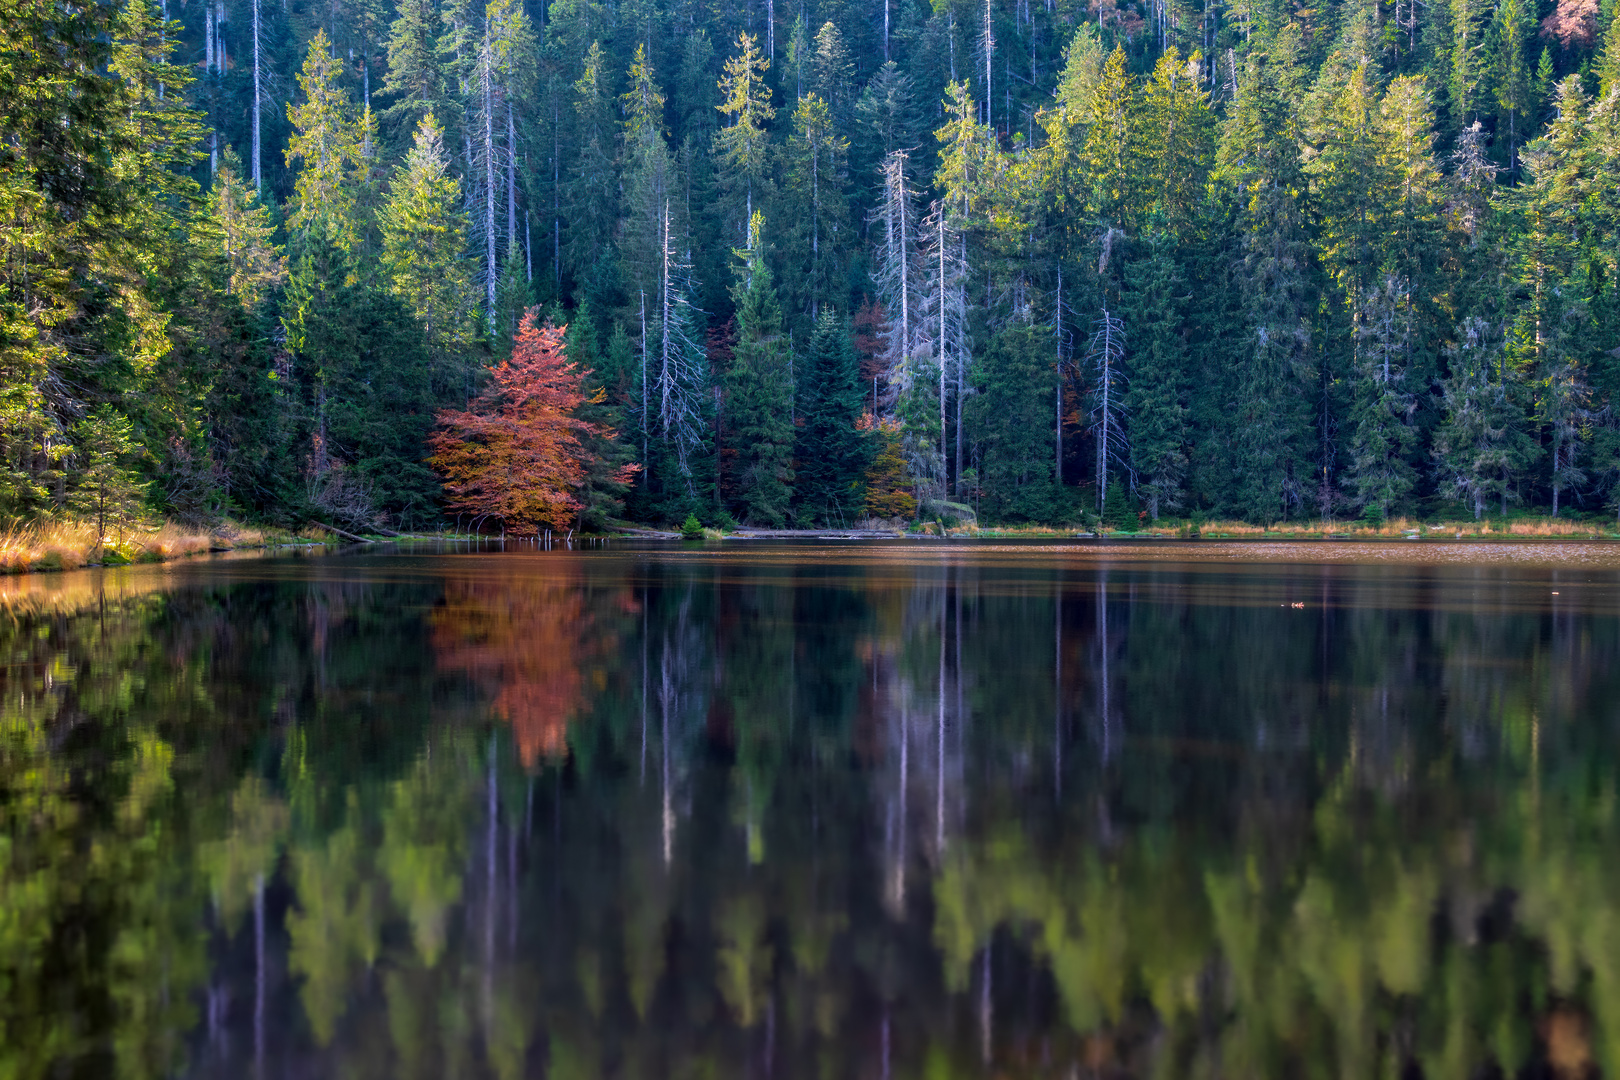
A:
(67, 545)
(46, 545)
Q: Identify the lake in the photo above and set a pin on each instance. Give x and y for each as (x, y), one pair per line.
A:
(775, 810)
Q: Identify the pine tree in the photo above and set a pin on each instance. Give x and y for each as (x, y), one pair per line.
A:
(1510, 67)
(1110, 392)
(830, 451)
(648, 171)
(834, 75)
(1467, 71)
(1109, 148)
(895, 277)
(759, 392)
(591, 204)
(886, 115)
(1176, 143)
(1274, 381)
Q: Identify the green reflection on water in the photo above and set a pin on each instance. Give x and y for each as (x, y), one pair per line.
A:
(812, 812)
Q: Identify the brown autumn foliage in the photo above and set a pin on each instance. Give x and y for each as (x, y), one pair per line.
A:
(520, 637)
(1574, 23)
(518, 454)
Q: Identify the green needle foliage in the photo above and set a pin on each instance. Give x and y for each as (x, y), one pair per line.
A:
(279, 245)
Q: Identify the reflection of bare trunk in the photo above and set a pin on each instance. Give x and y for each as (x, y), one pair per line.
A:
(258, 976)
(897, 818)
(985, 1017)
(1103, 682)
(489, 902)
(511, 890)
(644, 688)
(939, 763)
(664, 695)
(1057, 692)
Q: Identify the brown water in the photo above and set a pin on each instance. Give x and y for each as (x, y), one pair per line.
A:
(795, 810)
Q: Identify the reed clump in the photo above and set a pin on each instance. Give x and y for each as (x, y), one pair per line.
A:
(67, 544)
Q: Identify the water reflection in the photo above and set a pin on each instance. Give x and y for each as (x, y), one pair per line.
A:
(813, 812)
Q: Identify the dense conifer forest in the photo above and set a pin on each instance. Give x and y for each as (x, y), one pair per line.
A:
(809, 261)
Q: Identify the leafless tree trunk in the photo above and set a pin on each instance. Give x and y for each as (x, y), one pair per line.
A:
(258, 96)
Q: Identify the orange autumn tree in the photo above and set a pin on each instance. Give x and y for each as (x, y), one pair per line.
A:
(518, 454)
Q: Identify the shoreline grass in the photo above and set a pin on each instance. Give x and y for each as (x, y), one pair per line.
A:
(44, 546)
(1527, 527)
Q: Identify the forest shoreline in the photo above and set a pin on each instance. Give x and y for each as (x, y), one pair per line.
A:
(50, 547)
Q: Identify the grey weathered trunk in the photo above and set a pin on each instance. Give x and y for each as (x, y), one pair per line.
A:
(486, 78)
(258, 97)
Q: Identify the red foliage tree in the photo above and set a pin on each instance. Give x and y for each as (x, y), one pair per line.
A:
(519, 454)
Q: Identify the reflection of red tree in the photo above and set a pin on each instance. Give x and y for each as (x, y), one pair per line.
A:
(525, 638)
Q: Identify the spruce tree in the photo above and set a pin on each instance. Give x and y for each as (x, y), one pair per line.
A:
(414, 78)
(742, 147)
(1481, 444)
(759, 393)
(424, 243)
(1382, 435)
(817, 180)
(1012, 413)
(245, 231)
(830, 452)
(326, 146)
(1157, 359)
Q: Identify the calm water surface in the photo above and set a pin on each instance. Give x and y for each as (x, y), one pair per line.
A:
(816, 811)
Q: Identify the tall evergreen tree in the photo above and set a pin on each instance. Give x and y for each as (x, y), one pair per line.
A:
(424, 241)
(817, 182)
(830, 452)
(327, 148)
(1155, 291)
(1481, 444)
(1015, 376)
(759, 392)
(742, 147)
